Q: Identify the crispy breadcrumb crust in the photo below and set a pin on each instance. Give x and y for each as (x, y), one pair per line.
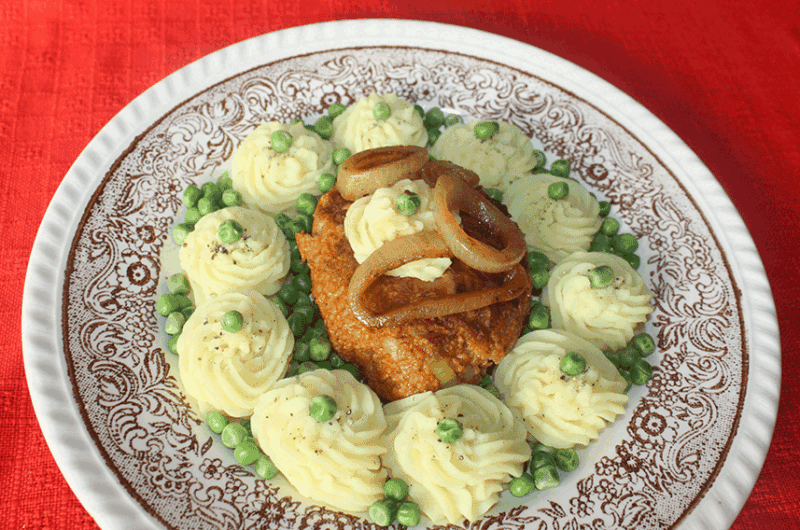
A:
(396, 360)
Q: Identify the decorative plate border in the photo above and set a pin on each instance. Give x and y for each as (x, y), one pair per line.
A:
(46, 366)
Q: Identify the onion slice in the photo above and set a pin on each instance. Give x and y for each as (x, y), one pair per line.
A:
(452, 193)
(369, 170)
(434, 169)
(402, 250)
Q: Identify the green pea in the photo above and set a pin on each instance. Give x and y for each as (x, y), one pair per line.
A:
(601, 277)
(306, 203)
(191, 195)
(383, 512)
(216, 421)
(538, 260)
(266, 468)
(627, 356)
(301, 223)
(627, 377)
(324, 127)
(307, 314)
(336, 109)
(231, 198)
(326, 182)
(605, 208)
(567, 459)
(540, 171)
(539, 278)
(288, 294)
(232, 321)
(246, 453)
(233, 434)
(381, 111)
(613, 357)
(494, 194)
(558, 190)
(433, 136)
(453, 119)
(178, 283)
(281, 141)
(420, 111)
(407, 203)
(301, 352)
(166, 304)
(192, 215)
(522, 485)
(625, 243)
(319, 349)
(282, 307)
(539, 447)
(224, 182)
(303, 299)
(354, 370)
(230, 231)
(322, 408)
(434, 118)
(644, 343)
(206, 206)
(540, 458)
(609, 227)
(541, 159)
(181, 232)
(340, 155)
(299, 266)
(306, 367)
(641, 372)
(560, 168)
(600, 243)
(485, 130)
(546, 477)
(174, 323)
(409, 514)
(539, 317)
(395, 489)
(210, 189)
(633, 260)
(282, 220)
(297, 323)
(573, 363)
(335, 360)
(172, 344)
(449, 430)
(302, 282)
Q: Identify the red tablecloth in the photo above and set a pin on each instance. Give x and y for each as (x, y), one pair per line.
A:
(723, 74)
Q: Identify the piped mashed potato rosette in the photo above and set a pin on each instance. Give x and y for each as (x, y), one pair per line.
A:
(258, 260)
(555, 227)
(272, 181)
(373, 220)
(560, 411)
(335, 462)
(461, 480)
(227, 371)
(607, 317)
(358, 129)
(499, 161)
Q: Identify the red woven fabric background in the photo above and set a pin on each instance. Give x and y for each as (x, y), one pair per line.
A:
(723, 74)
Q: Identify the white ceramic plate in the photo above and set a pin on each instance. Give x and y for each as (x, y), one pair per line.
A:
(688, 451)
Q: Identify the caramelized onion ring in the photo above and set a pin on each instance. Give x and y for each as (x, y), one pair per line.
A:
(434, 169)
(369, 170)
(452, 193)
(402, 250)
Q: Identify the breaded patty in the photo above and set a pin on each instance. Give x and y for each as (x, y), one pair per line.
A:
(397, 360)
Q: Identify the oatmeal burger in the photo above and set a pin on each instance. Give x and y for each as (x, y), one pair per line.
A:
(420, 277)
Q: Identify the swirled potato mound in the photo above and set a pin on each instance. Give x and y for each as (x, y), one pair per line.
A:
(258, 260)
(226, 371)
(560, 411)
(271, 181)
(499, 161)
(607, 317)
(357, 129)
(373, 220)
(337, 462)
(461, 480)
(555, 227)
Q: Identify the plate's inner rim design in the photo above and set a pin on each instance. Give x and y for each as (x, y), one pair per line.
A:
(71, 266)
